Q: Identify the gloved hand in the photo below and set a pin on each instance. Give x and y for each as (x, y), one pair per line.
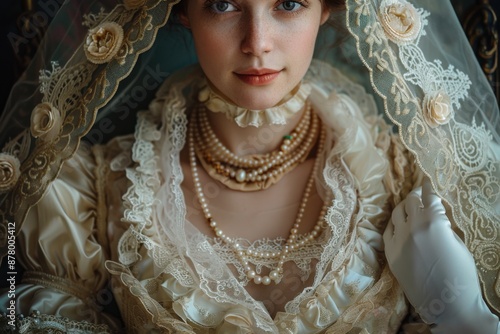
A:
(434, 267)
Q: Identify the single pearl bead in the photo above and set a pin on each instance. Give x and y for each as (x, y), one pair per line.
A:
(257, 279)
(251, 274)
(266, 280)
(241, 175)
(274, 275)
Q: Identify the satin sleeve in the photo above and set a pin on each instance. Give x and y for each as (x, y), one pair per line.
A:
(64, 282)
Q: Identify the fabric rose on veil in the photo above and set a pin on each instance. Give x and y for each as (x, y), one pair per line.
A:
(103, 42)
(46, 122)
(401, 21)
(437, 109)
(9, 171)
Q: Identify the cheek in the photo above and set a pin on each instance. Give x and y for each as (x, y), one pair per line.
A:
(309, 39)
(206, 44)
(302, 47)
(300, 38)
(213, 50)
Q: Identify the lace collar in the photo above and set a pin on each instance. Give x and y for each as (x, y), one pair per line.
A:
(277, 115)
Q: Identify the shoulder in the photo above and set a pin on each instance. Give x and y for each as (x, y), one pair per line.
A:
(364, 139)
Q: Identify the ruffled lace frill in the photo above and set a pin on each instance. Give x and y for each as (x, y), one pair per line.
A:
(276, 115)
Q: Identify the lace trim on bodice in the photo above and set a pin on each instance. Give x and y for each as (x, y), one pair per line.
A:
(301, 258)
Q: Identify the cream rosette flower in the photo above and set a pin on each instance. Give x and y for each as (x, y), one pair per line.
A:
(134, 4)
(437, 109)
(400, 20)
(103, 42)
(46, 121)
(9, 171)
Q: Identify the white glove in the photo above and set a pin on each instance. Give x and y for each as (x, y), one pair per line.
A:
(434, 267)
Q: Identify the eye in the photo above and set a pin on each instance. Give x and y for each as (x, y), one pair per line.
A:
(290, 6)
(222, 7)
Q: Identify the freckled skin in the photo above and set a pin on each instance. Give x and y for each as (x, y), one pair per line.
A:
(255, 34)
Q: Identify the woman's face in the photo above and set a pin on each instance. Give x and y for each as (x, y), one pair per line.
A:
(255, 51)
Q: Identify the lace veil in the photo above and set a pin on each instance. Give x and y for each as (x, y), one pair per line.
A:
(101, 61)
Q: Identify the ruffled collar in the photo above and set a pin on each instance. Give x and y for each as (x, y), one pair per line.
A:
(277, 115)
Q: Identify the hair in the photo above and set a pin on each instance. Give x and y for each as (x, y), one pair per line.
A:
(335, 5)
(337, 22)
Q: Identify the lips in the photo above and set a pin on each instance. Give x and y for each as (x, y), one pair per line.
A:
(257, 76)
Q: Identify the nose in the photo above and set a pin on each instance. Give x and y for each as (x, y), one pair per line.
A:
(257, 38)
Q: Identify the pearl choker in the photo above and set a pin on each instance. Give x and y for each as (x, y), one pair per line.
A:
(258, 171)
(278, 115)
(294, 241)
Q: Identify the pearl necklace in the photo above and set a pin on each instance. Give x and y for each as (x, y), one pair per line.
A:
(258, 171)
(294, 241)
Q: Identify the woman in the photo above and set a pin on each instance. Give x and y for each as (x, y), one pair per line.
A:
(254, 192)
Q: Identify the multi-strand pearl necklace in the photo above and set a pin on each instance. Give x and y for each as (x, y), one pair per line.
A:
(294, 242)
(258, 171)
